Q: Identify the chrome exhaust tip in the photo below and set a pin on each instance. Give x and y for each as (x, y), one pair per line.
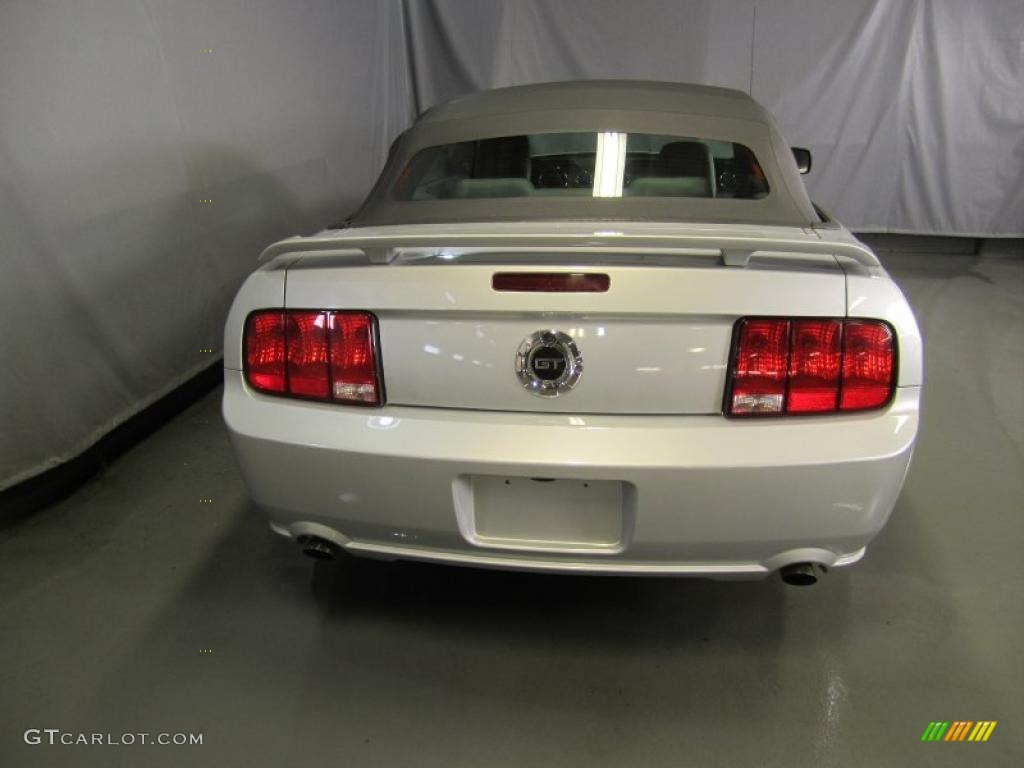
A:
(799, 574)
(317, 548)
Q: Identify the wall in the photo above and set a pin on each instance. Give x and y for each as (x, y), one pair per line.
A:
(150, 148)
(116, 126)
(914, 109)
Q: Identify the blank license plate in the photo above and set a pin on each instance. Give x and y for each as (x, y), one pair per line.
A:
(547, 514)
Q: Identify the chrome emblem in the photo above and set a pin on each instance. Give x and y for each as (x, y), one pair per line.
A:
(549, 363)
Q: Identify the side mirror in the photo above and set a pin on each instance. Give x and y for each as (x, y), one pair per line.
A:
(803, 159)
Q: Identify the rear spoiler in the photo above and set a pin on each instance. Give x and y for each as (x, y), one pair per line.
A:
(730, 251)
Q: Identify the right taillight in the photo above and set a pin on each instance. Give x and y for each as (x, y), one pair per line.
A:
(313, 354)
(821, 365)
(868, 365)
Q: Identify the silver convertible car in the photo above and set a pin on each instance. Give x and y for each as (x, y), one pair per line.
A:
(587, 327)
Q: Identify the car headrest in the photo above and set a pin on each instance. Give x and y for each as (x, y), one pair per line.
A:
(511, 187)
(685, 158)
(504, 157)
(669, 186)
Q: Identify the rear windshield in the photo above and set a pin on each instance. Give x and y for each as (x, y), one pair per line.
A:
(593, 164)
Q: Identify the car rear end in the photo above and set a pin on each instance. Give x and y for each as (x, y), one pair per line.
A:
(714, 402)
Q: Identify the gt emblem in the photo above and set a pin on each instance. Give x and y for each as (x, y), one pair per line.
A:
(548, 363)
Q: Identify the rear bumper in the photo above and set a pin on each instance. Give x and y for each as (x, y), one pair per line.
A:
(701, 495)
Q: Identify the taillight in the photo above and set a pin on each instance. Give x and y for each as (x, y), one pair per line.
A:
(814, 364)
(353, 361)
(759, 367)
(314, 354)
(868, 365)
(306, 338)
(784, 366)
(265, 351)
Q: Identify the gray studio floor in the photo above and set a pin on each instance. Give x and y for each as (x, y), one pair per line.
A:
(108, 599)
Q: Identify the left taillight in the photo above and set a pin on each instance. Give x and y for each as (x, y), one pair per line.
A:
(328, 355)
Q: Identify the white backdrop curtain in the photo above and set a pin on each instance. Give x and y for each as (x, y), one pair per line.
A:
(914, 109)
(120, 119)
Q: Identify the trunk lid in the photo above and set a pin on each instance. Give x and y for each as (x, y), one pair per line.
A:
(656, 342)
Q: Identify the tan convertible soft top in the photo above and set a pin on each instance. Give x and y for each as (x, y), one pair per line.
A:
(636, 95)
(674, 109)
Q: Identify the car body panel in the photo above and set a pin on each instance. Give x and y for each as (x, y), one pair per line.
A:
(708, 496)
(657, 342)
(633, 470)
(385, 244)
(619, 105)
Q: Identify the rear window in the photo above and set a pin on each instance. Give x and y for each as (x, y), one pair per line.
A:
(592, 164)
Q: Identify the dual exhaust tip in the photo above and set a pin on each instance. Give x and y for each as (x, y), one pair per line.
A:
(797, 574)
(317, 548)
(801, 574)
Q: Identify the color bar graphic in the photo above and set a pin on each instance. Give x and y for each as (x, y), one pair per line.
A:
(958, 730)
(982, 730)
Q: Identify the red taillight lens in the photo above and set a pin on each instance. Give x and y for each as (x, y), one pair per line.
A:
(306, 333)
(353, 360)
(810, 366)
(313, 354)
(264, 351)
(814, 366)
(867, 365)
(759, 367)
